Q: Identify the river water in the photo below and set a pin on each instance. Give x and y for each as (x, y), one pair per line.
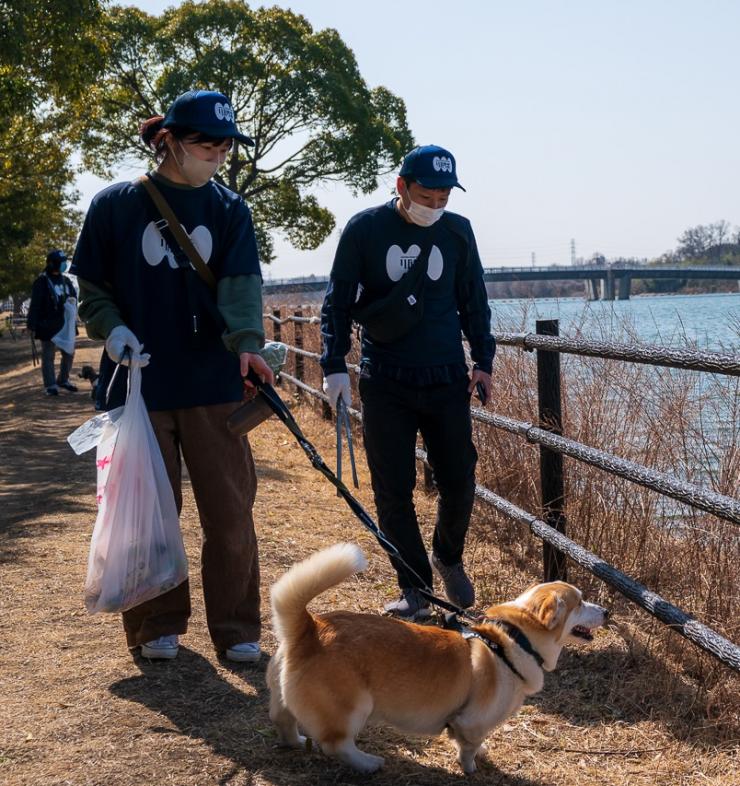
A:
(708, 322)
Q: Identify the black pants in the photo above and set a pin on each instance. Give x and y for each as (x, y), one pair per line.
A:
(392, 415)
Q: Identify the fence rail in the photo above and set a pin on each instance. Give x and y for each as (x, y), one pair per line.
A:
(693, 360)
(723, 507)
(709, 501)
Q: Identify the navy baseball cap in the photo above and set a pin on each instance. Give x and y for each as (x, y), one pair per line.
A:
(206, 111)
(431, 166)
(56, 256)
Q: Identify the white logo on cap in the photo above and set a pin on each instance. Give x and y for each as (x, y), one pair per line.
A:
(442, 164)
(224, 112)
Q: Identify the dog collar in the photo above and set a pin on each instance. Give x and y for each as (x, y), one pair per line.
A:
(519, 638)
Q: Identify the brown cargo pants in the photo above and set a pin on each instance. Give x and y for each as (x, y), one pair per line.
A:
(222, 473)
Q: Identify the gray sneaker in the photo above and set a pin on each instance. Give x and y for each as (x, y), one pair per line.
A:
(458, 587)
(163, 648)
(411, 606)
(244, 652)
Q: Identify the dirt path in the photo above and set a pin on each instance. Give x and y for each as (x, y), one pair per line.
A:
(76, 708)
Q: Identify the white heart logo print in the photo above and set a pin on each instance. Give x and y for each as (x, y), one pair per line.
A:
(398, 262)
(155, 248)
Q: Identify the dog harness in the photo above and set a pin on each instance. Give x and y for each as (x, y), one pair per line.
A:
(495, 648)
(519, 638)
(452, 622)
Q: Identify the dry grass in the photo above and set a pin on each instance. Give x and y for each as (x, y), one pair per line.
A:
(78, 709)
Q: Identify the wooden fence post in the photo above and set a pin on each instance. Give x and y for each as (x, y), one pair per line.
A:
(276, 326)
(298, 338)
(551, 463)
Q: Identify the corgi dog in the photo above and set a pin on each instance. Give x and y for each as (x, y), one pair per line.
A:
(334, 673)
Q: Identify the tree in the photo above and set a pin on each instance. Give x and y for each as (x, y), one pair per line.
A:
(694, 242)
(48, 55)
(36, 205)
(296, 91)
(704, 241)
(721, 231)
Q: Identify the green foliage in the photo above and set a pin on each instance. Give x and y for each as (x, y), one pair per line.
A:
(49, 49)
(296, 91)
(36, 203)
(49, 53)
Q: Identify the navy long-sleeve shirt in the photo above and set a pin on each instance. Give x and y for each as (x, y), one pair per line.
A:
(377, 247)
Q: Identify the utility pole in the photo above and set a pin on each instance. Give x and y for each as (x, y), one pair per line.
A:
(533, 259)
(572, 252)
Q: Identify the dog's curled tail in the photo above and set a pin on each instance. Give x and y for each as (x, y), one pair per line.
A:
(304, 581)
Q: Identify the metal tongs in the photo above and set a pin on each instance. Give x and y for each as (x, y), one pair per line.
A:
(343, 423)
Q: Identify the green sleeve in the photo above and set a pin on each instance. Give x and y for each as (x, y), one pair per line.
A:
(239, 299)
(98, 309)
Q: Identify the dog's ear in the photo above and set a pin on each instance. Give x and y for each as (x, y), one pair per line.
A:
(551, 610)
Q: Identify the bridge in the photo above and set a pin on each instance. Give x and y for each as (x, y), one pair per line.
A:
(608, 282)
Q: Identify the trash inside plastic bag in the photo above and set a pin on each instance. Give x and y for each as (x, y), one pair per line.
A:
(136, 550)
(274, 353)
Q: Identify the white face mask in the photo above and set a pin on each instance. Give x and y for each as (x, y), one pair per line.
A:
(196, 171)
(422, 215)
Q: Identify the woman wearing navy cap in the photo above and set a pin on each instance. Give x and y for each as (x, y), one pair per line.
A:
(139, 291)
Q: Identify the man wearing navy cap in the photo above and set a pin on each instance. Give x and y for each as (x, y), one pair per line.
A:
(418, 381)
(54, 304)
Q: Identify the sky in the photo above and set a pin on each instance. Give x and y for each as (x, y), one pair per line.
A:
(613, 123)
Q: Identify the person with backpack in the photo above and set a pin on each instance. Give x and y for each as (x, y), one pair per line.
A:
(182, 297)
(409, 273)
(52, 317)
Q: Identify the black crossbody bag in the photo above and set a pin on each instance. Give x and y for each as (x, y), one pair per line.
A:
(389, 318)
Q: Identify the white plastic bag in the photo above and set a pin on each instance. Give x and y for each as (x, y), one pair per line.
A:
(93, 431)
(65, 338)
(136, 551)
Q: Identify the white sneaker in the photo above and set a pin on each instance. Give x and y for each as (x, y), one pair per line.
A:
(163, 648)
(246, 652)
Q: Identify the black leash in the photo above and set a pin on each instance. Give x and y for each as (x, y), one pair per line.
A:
(277, 405)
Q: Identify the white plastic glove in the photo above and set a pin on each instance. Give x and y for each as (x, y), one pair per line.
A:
(120, 338)
(336, 385)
